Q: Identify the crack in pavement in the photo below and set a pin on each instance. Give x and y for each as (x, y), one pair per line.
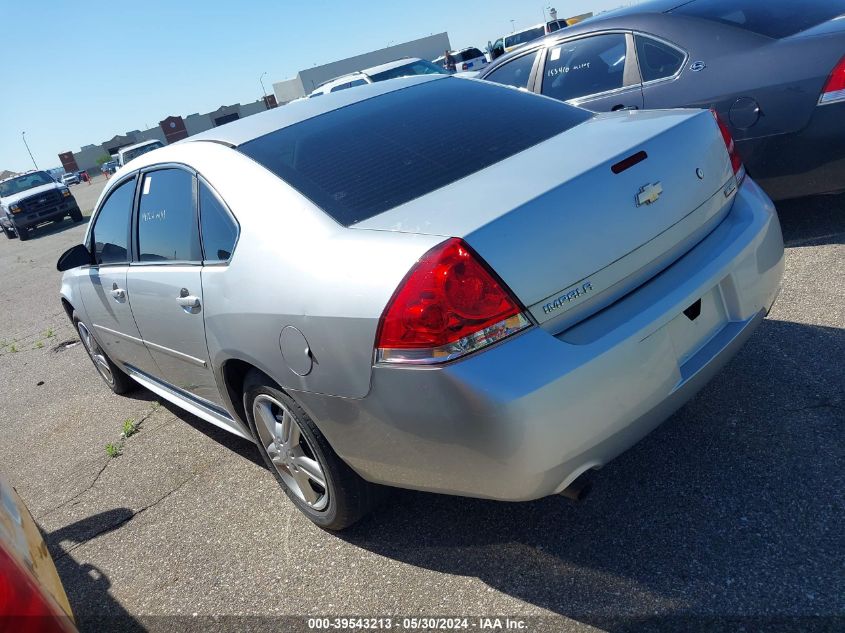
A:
(824, 404)
(117, 525)
(108, 460)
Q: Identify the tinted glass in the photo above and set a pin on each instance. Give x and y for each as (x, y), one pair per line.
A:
(22, 183)
(584, 67)
(358, 161)
(420, 67)
(219, 231)
(167, 227)
(657, 60)
(524, 36)
(514, 73)
(773, 18)
(111, 228)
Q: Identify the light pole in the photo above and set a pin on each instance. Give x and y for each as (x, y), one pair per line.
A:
(513, 28)
(263, 89)
(23, 136)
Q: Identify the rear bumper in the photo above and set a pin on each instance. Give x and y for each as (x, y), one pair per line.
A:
(808, 162)
(524, 418)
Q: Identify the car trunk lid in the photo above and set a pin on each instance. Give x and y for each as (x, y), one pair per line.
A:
(566, 233)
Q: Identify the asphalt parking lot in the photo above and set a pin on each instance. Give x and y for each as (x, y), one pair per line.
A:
(732, 509)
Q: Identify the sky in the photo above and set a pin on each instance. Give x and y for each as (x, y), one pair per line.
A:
(79, 73)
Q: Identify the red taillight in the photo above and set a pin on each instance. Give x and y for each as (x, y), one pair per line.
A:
(736, 160)
(448, 305)
(23, 605)
(464, 66)
(834, 89)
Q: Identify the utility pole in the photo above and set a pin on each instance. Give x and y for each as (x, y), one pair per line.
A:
(23, 136)
(264, 90)
(513, 28)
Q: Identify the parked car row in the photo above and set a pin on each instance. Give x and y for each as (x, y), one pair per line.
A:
(406, 67)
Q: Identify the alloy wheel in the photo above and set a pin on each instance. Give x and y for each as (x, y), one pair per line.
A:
(96, 353)
(289, 450)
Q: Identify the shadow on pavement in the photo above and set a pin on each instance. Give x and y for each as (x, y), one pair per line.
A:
(86, 586)
(730, 508)
(816, 220)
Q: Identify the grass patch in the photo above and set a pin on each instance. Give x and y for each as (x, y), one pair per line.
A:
(114, 450)
(130, 427)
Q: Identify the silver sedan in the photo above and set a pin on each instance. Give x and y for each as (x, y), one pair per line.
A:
(430, 283)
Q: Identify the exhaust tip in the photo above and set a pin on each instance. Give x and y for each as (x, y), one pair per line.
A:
(578, 490)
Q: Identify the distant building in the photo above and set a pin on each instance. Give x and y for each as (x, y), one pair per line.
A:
(169, 130)
(307, 80)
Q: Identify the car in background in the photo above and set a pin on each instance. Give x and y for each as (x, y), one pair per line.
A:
(33, 198)
(70, 178)
(556, 25)
(774, 71)
(406, 67)
(507, 43)
(466, 59)
(463, 305)
(125, 154)
(109, 167)
(31, 594)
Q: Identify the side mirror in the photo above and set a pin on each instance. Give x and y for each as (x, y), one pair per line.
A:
(74, 257)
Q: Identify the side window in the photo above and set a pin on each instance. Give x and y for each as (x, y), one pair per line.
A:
(110, 234)
(167, 226)
(585, 67)
(219, 231)
(515, 73)
(657, 60)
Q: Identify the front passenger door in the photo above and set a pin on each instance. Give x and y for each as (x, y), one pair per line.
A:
(595, 72)
(165, 280)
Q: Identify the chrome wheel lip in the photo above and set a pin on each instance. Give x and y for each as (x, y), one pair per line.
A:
(96, 353)
(292, 455)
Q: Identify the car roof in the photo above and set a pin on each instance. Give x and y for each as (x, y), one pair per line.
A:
(390, 65)
(141, 144)
(246, 129)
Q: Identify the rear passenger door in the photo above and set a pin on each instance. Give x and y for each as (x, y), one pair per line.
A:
(165, 280)
(596, 72)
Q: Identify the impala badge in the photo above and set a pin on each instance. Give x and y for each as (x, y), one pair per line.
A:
(649, 193)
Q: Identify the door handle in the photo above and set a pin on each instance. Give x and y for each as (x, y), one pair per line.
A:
(118, 293)
(188, 301)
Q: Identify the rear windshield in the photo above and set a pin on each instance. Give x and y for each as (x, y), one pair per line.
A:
(419, 67)
(524, 36)
(772, 18)
(470, 53)
(368, 157)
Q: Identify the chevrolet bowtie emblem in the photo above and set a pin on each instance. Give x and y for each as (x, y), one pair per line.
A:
(649, 193)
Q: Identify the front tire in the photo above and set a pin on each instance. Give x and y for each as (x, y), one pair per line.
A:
(76, 215)
(10, 234)
(318, 482)
(116, 379)
(23, 234)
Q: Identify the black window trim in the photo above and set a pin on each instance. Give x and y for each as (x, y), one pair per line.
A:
(89, 238)
(666, 43)
(532, 75)
(631, 78)
(201, 180)
(136, 206)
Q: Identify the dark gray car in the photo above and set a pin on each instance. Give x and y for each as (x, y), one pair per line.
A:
(773, 69)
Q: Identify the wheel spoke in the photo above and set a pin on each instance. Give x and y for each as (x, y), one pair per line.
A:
(305, 488)
(311, 468)
(287, 425)
(265, 413)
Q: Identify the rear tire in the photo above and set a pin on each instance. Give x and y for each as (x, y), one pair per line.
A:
(325, 488)
(116, 379)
